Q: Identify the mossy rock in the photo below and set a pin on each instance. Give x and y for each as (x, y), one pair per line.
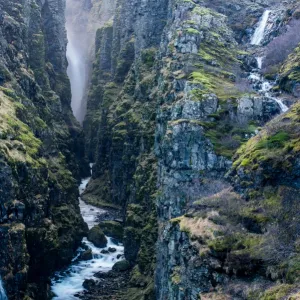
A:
(97, 237)
(112, 229)
(121, 266)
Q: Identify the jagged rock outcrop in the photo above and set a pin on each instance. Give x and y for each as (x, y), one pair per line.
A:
(40, 142)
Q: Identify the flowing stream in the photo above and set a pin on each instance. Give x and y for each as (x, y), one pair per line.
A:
(2, 291)
(263, 86)
(260, 30)
(67, 283)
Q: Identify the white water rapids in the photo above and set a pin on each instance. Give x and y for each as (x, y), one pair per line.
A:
(260, 30)
(2, 291)
(68, 283)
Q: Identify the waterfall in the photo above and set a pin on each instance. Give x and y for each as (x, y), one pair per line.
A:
(259, 62)
(79, 41)
(283, 107)
(2, 291)
(77, 72)
(260, 30)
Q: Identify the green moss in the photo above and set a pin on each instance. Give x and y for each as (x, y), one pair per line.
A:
(277, 292)
(202, 11)
(241, 243)
(175, 277)
(293, 270)
(192, 31)
(23, 133)
(277, 141)
(148, 57)
(10, 93)
(290, 71)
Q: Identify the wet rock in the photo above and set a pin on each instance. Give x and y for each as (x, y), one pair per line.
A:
(112, 250)
(104, 251)
(97, 237)
(86, 255)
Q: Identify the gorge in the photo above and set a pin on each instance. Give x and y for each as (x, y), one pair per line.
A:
(190, 113)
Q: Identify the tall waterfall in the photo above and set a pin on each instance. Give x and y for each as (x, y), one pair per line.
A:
(79, 41)
(77, 72)
(260, 30)
(2, 291)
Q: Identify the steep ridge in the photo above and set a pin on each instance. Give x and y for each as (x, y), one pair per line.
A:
(181, 72)
(41, 149)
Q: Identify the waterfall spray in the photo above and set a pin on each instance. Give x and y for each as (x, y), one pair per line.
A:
(260, 30)
(2, 291)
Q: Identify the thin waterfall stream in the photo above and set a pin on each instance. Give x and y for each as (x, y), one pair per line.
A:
(2, 291)
(263, 86)
(260, 30)
(67, 283)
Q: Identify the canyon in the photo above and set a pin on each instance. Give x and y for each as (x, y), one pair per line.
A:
(179, 121)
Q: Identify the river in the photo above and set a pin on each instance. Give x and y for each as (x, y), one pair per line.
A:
(68, 282)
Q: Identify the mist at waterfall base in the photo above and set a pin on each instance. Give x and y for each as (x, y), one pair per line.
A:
(2, 291)
(67, 283)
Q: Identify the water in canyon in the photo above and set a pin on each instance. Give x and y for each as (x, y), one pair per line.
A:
(67, 283)
(260, 30)
(2, 291)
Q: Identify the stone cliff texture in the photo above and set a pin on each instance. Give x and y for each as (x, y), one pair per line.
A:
(174, 121)
(40, 142)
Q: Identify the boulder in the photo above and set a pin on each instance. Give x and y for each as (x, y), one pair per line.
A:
(121, 266)
(112, 229)
(86, 255)
(97, 237)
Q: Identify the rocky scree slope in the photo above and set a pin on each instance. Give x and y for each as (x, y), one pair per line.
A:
(40, 142)
(176, 124)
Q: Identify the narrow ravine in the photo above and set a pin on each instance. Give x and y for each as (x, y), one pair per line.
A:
(2, 291)
(68, 283)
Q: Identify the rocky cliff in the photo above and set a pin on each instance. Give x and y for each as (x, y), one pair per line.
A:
(41, 145)
(177, 123)
(193, 126)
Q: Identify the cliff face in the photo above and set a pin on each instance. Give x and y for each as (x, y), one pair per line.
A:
(40, 142)
(177, 114)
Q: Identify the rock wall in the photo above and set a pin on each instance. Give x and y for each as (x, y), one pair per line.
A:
(175, 128)
(40, 142)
